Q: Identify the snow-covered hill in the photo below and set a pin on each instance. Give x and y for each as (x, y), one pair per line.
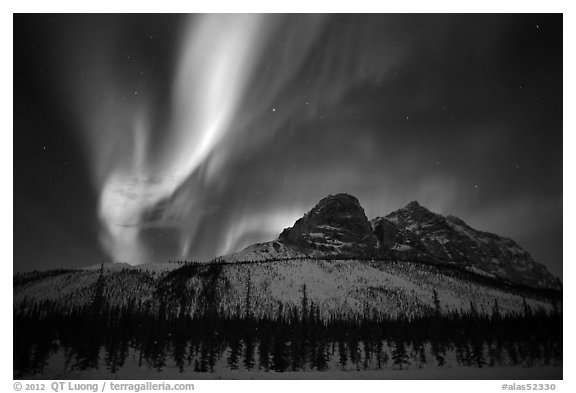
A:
(345, 289)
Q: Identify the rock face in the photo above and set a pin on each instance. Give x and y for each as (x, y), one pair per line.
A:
(416, 232)
(336, 225)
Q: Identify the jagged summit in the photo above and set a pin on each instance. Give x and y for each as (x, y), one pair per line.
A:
(337, 226)
(415, 232)
(412, 211)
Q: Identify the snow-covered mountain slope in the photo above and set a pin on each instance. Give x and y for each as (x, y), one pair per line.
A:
(265, 251)
(416, 232)
(352, 288)
(339, 289)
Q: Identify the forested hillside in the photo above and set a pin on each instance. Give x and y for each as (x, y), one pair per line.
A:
(340, 313)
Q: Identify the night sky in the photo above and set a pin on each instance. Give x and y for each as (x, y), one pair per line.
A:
(141, 138)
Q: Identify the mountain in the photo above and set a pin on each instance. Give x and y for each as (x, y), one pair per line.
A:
(416, 232)
(391, 264)
(338, 227)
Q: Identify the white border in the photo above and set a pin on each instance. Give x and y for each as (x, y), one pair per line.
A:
(6, 157)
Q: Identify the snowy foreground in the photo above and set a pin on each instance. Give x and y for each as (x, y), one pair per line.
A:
(446, 373)
(58, 368)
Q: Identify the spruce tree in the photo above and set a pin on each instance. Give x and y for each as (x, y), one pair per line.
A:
(399, 354)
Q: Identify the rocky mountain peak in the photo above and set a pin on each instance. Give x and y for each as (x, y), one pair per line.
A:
(414, 213)
(336, 225)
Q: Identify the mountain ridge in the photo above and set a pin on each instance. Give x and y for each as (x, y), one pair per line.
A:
(338, 226)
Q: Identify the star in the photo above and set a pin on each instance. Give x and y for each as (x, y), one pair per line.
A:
(273, 109)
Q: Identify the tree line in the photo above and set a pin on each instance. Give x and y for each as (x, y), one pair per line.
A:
(106, 334)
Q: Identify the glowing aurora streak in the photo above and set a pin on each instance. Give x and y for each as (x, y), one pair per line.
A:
(217, 59)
